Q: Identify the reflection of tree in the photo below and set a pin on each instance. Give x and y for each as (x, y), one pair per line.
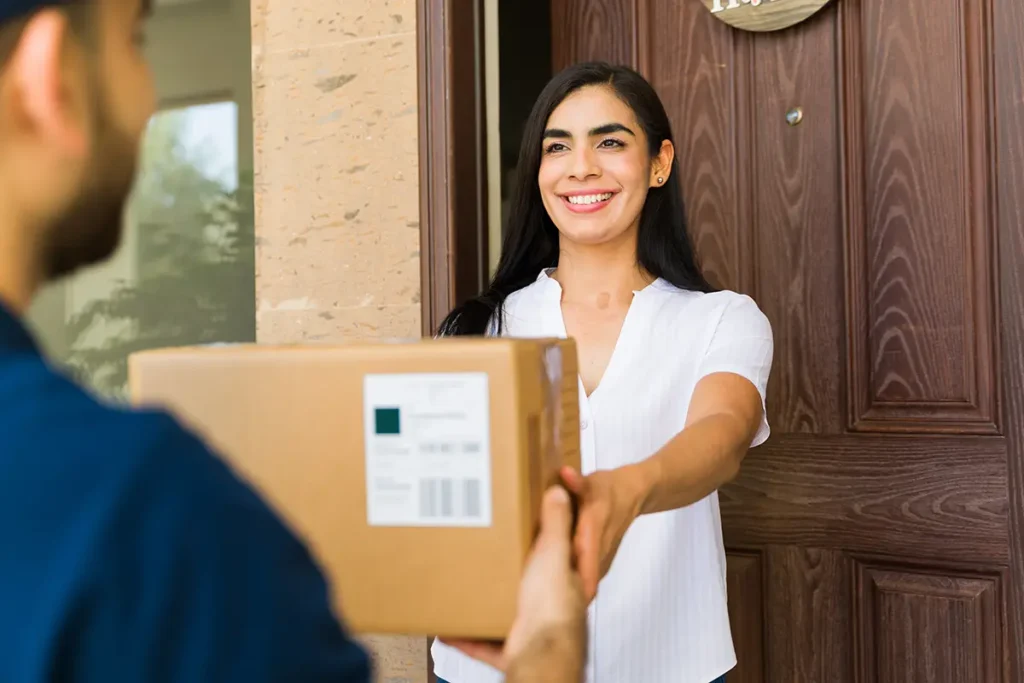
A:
(195, 274)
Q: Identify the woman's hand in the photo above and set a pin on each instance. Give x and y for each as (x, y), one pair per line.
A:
(609, 501)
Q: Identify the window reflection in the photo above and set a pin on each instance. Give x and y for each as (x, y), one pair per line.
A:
(185, 272)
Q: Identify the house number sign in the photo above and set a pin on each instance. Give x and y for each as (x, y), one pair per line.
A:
(763, 15)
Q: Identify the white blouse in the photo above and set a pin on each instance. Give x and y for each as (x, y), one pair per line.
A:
(660, 614)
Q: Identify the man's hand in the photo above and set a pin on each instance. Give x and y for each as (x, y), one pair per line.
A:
(548, 639)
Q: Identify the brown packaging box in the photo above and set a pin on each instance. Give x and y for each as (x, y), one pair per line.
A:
(414, 471)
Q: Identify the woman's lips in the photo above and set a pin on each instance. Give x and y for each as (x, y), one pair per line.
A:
(587, 202)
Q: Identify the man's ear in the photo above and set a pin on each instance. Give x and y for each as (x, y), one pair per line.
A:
(661, 164)
(47, 94)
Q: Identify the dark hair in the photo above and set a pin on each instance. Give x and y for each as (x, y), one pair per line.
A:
(531, 239)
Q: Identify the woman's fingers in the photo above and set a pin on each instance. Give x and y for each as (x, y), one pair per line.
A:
(574, 481)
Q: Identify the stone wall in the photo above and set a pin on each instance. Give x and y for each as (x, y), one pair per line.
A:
(337, 207)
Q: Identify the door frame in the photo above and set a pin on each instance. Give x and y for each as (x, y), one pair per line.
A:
(454, 256)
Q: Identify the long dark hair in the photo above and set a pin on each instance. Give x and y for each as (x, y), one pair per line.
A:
(531, 238)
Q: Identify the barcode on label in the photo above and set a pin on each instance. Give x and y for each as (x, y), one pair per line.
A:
(450, 498)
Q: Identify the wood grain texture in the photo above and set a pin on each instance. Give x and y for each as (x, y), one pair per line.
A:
(435, 221)
(918, 206)
(768, 15)
(931, 627)
(799, 246)
(1008, 23)
(468, 151)
(701, 69)
(744, 579)
(809, 616)
(870, 235)
(453, 197)
(922, 498)
(584, 30)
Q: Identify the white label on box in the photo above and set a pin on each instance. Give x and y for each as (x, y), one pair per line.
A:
(428, 449)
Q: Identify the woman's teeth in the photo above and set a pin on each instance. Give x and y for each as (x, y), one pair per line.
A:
(589, 198)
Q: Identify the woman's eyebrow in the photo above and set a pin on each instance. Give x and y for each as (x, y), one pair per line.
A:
(556, 133)
(609, 128)
(605, 129)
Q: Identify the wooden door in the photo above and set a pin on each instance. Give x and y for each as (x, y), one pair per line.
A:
(879, 535)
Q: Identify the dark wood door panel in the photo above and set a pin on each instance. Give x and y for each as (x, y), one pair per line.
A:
(1008, 23)
(918, 627)
(698, 67)
(762, 206)
(884, 238)
(808, 616)
(584, 30)
(919, 205)
(797, 241)
(745, 578)
(919, 209)
(921, 498)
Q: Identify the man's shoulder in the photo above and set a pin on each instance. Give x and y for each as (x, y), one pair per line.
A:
(161, 473)
(40, 406)
(50, 420)
(66, 449)
(128, 512)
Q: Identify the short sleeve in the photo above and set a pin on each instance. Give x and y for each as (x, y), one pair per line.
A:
(199, 582)
(742, 344)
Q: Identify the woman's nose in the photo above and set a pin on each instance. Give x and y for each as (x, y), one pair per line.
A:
(584, 165)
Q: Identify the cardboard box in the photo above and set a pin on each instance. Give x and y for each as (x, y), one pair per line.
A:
(414, 471)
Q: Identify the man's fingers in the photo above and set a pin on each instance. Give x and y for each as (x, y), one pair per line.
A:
(587, 558)
(555, 518)
(589, 583)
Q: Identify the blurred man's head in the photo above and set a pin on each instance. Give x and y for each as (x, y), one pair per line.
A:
(75, 96)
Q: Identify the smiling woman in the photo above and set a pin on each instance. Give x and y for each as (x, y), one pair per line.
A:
(636, 151)
(604, 172)
(672, 374)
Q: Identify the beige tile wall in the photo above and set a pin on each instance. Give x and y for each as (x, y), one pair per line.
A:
(337, 208)
(337, 256)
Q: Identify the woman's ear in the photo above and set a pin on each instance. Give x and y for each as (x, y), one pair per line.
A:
(661, 164)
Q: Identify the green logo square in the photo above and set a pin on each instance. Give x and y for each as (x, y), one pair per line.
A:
(388, 421)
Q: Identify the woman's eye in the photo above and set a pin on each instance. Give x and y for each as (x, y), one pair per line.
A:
(611, 143)
(555, 147)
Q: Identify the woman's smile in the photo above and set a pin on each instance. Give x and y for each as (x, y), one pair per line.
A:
(587, 201)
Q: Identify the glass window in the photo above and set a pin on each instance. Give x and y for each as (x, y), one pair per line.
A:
(185, 271)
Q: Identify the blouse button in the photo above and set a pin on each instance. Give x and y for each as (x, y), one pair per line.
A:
(584, 424)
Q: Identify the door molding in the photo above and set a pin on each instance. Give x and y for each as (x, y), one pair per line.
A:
(453, 156)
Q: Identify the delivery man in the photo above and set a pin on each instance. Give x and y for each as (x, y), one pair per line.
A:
(127, 551)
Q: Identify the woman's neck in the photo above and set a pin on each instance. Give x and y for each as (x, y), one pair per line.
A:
(589, 273)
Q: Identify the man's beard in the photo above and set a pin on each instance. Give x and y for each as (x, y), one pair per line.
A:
(90, 229)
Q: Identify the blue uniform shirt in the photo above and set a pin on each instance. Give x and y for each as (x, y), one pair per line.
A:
(129, 553)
